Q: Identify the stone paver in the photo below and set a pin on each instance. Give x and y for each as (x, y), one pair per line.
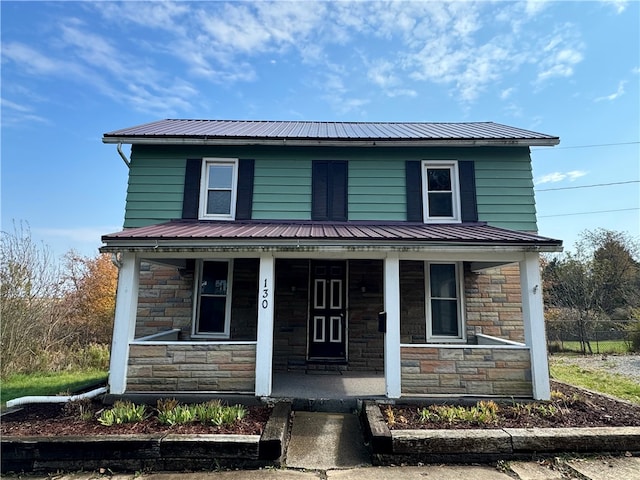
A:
(430, 472)
(614, 468)
(321, 441)
(534, 471)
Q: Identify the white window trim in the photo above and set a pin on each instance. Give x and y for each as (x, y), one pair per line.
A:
(196, 310)
(455, 191)
(461, 320)
(206, 162)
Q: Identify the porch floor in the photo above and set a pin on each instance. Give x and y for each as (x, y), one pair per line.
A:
(328, 385)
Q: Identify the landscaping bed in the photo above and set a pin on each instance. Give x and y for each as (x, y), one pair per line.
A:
(50, 437)
(574, 421)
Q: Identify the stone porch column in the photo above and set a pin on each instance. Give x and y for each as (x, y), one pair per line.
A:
(264, 347)
(534, 331)
(392, 370)
(124, 323)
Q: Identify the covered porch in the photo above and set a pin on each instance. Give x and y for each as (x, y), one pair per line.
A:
(500, 347)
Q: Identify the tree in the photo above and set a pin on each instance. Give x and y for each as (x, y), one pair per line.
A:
(590, 285)
(92, 294)
(30, 306)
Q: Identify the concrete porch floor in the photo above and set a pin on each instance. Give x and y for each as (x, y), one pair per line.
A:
(328, 385)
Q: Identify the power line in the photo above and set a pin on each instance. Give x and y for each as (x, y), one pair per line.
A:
(587, 186)
(587, 213)
(584, 146)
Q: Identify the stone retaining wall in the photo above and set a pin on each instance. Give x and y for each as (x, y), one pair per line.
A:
(501, 371)
(221, 367)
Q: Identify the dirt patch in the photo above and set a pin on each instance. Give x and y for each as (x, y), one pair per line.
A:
(65, 420)
(570, 407)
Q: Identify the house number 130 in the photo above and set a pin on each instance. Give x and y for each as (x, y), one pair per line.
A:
(265, 295)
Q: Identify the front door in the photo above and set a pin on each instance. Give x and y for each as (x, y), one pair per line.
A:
(327, 318)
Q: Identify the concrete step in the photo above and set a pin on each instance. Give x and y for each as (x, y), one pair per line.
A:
(322, 441)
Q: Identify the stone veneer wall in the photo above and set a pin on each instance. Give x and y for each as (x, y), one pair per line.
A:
(492, 300)
(471, 371)
(164, 300)
(191, 367)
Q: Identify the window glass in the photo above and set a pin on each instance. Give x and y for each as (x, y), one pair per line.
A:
(221, 176)
(444, 301)
(439, 179)
(440, 205)
(213, 298)
(219, 202)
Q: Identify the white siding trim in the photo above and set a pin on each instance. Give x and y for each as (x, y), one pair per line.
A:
(124, 324)
(392, 358)
(534, 331)
(264, 347)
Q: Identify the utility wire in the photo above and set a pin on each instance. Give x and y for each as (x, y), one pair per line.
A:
(583, 146)
(587, 186)
(587, 213)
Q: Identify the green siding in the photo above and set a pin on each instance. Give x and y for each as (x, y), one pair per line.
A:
(282, 188)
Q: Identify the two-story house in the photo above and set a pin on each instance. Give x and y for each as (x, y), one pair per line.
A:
(255, 248)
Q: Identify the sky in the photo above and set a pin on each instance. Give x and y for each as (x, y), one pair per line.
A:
(72, 71)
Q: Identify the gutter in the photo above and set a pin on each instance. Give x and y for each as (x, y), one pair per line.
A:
(498, 142)
(126, 161)
(55, 398)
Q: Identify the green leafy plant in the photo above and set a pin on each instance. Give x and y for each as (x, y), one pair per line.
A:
(177, 415)
(122, 412)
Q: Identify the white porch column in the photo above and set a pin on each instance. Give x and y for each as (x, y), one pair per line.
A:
(124, 323)
(264, 347)
(534, 331)
(392, 371)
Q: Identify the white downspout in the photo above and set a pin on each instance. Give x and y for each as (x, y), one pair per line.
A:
(55, 398)
(126, 161)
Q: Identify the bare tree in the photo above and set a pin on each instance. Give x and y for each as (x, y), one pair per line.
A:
(31, 310)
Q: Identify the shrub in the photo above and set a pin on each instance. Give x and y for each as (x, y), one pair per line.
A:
(122, 412)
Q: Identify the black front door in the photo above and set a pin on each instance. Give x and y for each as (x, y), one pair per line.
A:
(327, 319)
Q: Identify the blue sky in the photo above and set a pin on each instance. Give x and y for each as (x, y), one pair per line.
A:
(72, 71)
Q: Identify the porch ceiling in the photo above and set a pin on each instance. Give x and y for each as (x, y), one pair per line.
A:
(182, 235)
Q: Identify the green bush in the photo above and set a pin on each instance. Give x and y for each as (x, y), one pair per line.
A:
(122, 412)
(634, 337)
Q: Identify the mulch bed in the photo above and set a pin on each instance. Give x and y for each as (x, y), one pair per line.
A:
(64, 420)
(575, 408)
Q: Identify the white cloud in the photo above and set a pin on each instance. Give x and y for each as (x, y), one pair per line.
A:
(560, 54)
(618, 5)
(556, 177)
(618, 93)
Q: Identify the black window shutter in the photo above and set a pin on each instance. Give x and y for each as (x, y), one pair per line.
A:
(468, 204)
(320, 190)
(244, 198)
(414, 190)
(191, 196)
(338, 191)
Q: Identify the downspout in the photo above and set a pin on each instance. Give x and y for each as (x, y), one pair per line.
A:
(126, 161)
(55, 398)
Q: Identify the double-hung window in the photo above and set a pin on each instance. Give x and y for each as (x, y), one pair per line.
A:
(213, 296)
(444, 302)
(218, 190)
(441, 192)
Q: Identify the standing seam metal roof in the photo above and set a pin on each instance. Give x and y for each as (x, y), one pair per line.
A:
(344, 231)
(389, 131)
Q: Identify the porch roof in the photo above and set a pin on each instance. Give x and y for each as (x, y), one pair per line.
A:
(196, 235)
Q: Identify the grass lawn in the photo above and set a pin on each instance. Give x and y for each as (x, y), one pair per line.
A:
(597, 380)
(602, 346)
(49, 383)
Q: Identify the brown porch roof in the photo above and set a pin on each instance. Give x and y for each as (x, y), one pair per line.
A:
(254, 232)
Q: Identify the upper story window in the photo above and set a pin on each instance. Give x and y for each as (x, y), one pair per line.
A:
(218, 191)
(441, 192)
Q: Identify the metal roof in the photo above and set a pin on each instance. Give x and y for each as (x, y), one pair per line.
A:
(189, 232)
(249, 132)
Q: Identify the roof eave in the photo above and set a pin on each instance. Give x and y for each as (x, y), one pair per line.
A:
(316, 142)
(151, 245)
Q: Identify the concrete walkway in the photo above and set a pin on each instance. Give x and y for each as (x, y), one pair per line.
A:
(322, 441)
